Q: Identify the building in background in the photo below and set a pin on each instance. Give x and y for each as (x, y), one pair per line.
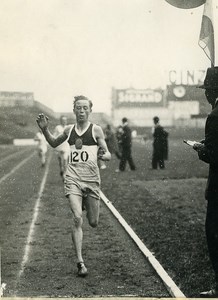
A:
(181, 103)
(18, 112)
(16, 98)
(139, 106)
(21, 100)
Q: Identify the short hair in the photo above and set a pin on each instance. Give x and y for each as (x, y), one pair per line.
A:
(81, 97)
(124, 120)
(156, 119)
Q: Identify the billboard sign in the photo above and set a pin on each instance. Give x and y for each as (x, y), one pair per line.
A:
(187, 77)
(138, 97)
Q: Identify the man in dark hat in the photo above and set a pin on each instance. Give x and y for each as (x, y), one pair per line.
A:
(208, 152)
(126, 144)
(160, 145)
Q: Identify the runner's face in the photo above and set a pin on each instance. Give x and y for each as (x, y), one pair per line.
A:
(64, 121)
(82, 110)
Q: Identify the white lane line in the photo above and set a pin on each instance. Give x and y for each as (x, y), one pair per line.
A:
(169, 283)
(16, 168)
(32, 225)
(2, 285)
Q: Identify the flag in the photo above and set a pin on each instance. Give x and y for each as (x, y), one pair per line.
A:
(206, 39)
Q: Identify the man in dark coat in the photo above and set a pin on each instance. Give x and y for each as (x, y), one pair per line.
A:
(111, 141)
(160, 145)
(126, 145)
(208, 152)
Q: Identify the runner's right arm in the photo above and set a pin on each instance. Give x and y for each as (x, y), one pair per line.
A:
(53, 141)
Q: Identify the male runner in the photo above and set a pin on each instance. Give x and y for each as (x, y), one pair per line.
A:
(82, 180)
(42, 147)
(62, 150)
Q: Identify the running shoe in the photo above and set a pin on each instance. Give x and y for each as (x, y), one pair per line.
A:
(82, 270)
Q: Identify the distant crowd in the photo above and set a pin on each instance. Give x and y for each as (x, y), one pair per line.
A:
(119, 142)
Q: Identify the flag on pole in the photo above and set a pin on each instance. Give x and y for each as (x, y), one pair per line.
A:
(206, 39)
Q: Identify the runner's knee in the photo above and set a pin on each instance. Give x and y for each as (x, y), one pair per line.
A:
(77, 221)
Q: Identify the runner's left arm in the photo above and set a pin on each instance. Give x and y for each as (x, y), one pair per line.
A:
(99, 135)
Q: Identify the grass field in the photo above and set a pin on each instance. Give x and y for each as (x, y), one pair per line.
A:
(165, 208)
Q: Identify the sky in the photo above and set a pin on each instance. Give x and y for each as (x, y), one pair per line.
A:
(58, 49)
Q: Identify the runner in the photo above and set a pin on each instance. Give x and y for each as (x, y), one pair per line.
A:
(42, 147)
(62, 150)
(82, 181)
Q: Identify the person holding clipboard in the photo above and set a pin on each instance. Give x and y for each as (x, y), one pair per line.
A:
(207, 151)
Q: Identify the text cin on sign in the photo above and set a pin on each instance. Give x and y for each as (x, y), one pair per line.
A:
(186, 77)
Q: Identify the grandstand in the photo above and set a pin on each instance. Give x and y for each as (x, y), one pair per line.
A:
(18, 114)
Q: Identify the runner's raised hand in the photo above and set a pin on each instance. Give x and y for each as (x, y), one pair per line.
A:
(42, 121)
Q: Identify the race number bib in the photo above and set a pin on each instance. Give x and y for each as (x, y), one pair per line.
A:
(78, 156)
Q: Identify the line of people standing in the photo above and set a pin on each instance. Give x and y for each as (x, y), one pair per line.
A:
(121, 145)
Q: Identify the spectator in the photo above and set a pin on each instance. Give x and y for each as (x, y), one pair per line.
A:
(111, 141)
(126, 145)
(208, 152)
(119, 134)
(160, 145)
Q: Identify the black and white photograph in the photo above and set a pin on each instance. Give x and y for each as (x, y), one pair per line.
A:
(109, 149)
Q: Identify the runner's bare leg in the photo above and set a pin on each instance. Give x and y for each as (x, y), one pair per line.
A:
(77, 232)
(92, 207)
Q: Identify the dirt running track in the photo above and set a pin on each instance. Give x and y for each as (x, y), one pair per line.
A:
(116, 267)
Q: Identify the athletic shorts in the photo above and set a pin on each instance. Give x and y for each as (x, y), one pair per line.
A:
(81, 189)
